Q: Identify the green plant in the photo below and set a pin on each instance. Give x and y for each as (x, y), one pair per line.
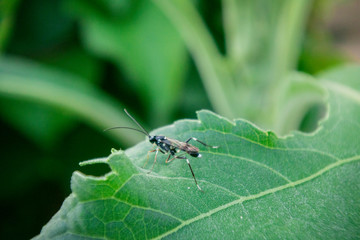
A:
(262, 41)
(256, 184)
(50, 82)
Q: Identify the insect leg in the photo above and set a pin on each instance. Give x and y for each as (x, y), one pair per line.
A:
(195, 139)
(167, 160)
(171, 159)
(147, 158)
(157, 150)
(192, 172)
(174, 156)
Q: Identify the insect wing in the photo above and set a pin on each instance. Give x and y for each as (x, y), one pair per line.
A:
(186, 147)
(173, 142)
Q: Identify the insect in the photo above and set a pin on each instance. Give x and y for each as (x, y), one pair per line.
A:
(169, 146)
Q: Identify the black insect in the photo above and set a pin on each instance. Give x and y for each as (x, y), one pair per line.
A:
(169, 146)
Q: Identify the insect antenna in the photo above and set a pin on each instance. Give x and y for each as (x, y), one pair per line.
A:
(127, 128)
(136, 122)
(132, 118)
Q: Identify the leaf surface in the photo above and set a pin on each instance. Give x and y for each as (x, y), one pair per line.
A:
(256, 185)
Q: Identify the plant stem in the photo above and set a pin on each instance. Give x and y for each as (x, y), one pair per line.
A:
(211, 65)
(284, 53)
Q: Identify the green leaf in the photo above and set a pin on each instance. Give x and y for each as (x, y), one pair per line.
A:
(256, 185)
(27, 81)
(42, 123)
(262, 41)
(298, 96)
(144, 45)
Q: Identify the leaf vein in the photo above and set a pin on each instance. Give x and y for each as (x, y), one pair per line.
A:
(261, 194)
(257, 163)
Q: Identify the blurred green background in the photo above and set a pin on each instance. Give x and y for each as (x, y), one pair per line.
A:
(69, 67)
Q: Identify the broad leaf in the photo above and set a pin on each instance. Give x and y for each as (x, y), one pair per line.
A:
(40, 85)
(44, 124)
(256, 185)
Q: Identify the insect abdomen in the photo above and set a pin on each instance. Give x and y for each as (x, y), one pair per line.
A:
(195, 154)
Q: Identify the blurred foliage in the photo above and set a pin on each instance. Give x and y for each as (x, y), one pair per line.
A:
(69, 67)
(140, 40)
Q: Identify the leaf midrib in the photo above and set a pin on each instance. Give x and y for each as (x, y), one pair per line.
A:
(261, 194)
